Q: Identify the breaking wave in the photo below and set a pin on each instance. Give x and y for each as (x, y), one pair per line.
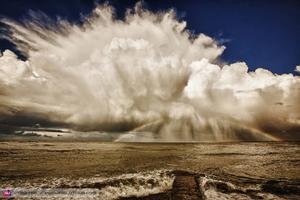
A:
(159, 184)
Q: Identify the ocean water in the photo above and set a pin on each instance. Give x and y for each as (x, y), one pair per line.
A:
(261, 170)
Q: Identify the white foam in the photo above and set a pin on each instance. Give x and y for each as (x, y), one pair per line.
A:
(126, 185)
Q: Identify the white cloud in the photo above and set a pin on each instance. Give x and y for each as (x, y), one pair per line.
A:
(108, 74)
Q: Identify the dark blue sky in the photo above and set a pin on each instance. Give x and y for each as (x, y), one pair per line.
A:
(263, 33)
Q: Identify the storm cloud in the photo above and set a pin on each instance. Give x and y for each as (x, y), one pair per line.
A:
(145, 73)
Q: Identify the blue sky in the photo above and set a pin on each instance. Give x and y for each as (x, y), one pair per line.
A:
(263, 33)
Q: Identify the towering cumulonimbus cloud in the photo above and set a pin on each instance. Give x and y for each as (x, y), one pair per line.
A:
(145, 73)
